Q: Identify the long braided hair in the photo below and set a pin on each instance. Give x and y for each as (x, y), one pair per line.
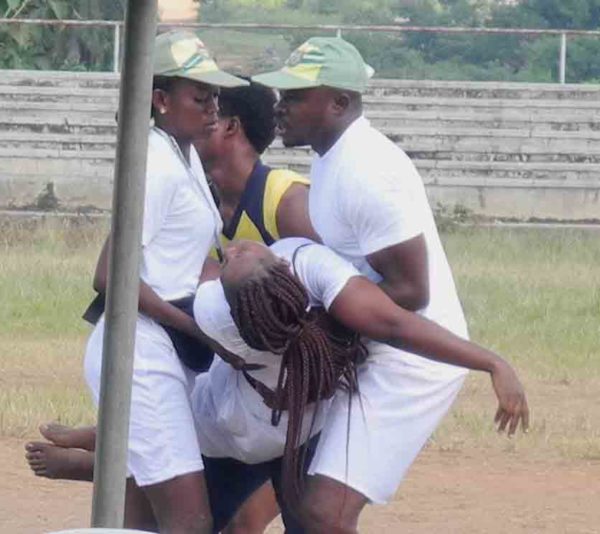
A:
(318, 355)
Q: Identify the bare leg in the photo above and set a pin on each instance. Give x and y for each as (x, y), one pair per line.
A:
(138, 510)
(48, 460)
(83, 437)
(256, 513)
(180, 505)
(330, 507)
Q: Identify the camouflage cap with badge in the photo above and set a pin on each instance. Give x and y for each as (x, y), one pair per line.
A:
(183, 54)
(328, 61)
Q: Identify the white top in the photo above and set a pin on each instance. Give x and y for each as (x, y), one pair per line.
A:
(180, 219)
(366, 195)
(232, 419)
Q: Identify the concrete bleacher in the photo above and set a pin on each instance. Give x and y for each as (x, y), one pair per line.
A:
(499, 149)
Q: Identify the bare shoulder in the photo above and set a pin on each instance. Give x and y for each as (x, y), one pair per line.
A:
(293, 218)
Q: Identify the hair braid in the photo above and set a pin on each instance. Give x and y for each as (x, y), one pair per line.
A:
(318, 355)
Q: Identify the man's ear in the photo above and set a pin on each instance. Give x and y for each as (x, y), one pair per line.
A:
(341, 102)
(233, 126)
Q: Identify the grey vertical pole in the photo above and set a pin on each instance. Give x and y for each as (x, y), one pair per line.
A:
(117, 47)
(562, 64)
(338, 32)
(123, 281)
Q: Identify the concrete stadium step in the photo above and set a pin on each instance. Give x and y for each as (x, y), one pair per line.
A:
(49, 110)
(537, 170)
(10, 93)
(300, 161)
(484, 104)
(466, 156)
(56, 153)
(25, 78)
(513, 145)
(500, 119)
(433, 168)
(59, 124)
(461, 90)
(57, 138)
(525, 172)
(423, 139)
(499, 133)
(57, 164)
(92, 117)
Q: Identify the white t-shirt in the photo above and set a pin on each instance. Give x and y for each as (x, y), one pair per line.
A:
(180, 219)
(366, 195)
(231, 416)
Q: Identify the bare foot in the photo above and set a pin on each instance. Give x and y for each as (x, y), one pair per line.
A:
(83, 437)
(48, 460)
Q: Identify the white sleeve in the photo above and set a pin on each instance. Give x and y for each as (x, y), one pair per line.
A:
(323, 273)
(385, 209)
(160, 190)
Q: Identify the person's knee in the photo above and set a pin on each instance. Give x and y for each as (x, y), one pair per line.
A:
(193, 524)
(243, 528)
(318, 518)
(331, 507)
(185, 522)
(255, 514)
(181, 505)
(246, 524)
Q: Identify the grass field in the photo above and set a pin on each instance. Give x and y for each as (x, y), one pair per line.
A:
(532, 295)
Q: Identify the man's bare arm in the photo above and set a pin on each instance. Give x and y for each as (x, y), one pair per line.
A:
(405, 272)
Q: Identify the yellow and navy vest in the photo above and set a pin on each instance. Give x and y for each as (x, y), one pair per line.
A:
(255, 217)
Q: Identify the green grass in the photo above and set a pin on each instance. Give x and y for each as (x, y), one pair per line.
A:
(531, 295)
(45, 282)
(534, 297)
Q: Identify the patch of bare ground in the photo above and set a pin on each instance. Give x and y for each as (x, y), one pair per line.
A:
(478, 491)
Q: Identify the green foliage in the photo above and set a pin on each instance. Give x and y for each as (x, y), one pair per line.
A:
(53, 47)
(410, 55)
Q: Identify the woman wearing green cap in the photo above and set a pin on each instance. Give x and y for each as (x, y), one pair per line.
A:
(166, 489)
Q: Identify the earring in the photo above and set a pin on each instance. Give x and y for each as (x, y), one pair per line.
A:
(163, 111)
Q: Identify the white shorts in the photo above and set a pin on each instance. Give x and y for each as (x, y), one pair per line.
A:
(401, 403)
(162, 436)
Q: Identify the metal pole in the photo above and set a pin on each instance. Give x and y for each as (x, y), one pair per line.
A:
(562, 64)
(123, 281)
(117, 48)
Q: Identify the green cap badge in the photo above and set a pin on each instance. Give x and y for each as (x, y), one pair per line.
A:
(183, 54)
(329, 61)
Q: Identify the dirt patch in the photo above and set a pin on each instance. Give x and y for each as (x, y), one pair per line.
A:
(444, 492)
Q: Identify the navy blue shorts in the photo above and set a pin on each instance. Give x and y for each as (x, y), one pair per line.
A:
(230, 482)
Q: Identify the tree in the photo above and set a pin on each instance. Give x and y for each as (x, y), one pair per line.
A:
(52, 47)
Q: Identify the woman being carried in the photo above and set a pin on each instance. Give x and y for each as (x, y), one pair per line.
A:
(283, 357)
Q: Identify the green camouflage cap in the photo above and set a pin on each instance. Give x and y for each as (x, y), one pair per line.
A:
(183, 54)
(329, 61)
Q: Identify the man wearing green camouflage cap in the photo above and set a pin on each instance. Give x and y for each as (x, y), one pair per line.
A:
(368, 203)
(332, 62)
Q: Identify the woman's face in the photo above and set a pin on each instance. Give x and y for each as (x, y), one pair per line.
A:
(209, 145)
(242, 260)
(188, 110)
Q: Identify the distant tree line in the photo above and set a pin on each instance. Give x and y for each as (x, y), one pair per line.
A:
(410, 55)
(55, 47)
